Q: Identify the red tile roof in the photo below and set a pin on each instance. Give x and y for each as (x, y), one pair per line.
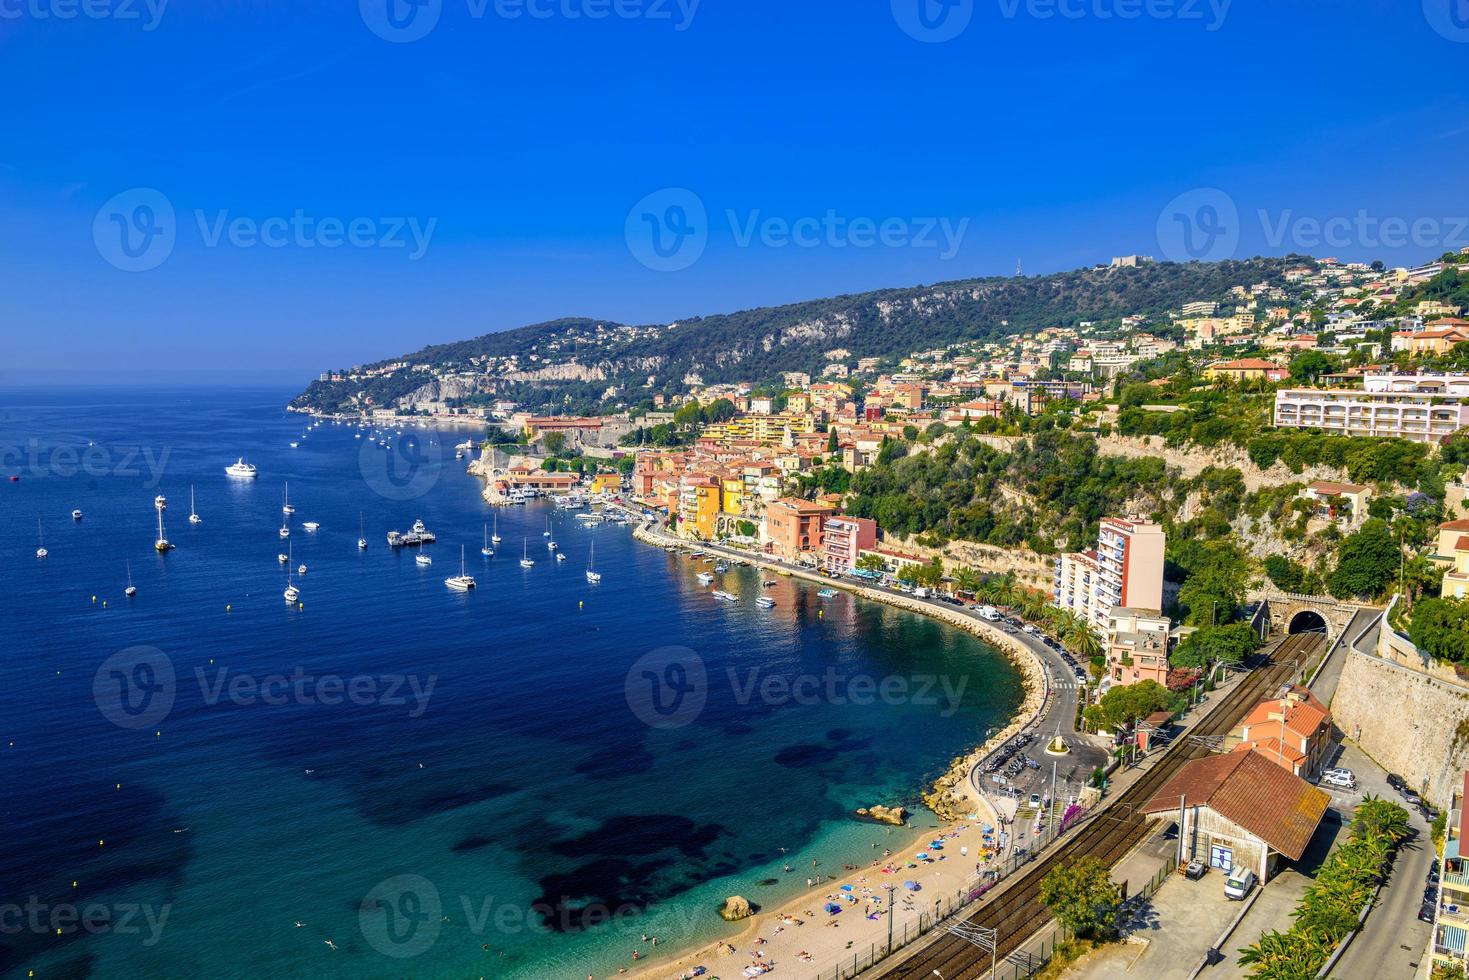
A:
(1246, 789)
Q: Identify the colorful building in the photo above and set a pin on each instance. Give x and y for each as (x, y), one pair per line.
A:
(1137, 645)
(843, 539)
(794, 527)
(1126, 569)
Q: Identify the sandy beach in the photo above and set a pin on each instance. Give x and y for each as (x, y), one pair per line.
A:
(802, 939)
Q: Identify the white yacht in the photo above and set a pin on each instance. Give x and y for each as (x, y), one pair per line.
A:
(361, 533)
(705, 578)
(194, 517)
(301, 569)
(593, 576)
(160, 502)
(526, 561)
(723, 596)
(132, 589)
(241, 469)
(312, 526)
(765, 602)
(560, 556)
(295, 444)
(460, 582)
(286, 507)
(283, 558)
(487, 551)
(76, 515)
(423, 559)
(41, 552)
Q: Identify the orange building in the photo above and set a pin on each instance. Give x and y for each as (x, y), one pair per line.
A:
(794, 527)
(1293, 731)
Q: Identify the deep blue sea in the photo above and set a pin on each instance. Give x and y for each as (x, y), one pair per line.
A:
(437, 784)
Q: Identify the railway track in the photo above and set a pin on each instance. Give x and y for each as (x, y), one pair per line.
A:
(1016, 912)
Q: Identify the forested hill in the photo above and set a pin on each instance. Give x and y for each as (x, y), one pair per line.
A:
(573, 361)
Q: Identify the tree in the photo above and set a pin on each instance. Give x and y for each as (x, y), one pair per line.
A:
(554, 442)
(831, 441)
(720, 410)
(1121, 707)
(871, 563)
(1229, 643)
(1368, 562)
(1440, 628)
(1309, 366)
(1082, 896)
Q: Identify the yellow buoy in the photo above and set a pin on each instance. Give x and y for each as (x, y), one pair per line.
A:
(579, 605)
(100, 843)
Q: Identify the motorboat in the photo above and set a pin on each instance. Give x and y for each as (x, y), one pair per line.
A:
(283, 558)
(827, 593)
(76, 515)
(705, 578)
(301, 569)
(560, 556)
(241, 469)
(423, 559)
(460, 582)
(723, 596)
(311, 526)
(765, 602)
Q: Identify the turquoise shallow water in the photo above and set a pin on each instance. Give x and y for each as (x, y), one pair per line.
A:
(486, 775)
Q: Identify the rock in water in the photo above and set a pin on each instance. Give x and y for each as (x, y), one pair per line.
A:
(735, 908)
(895, 815)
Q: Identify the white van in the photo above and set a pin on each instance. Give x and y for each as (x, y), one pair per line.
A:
(921, 592)
(989, 612)
(1239, 883)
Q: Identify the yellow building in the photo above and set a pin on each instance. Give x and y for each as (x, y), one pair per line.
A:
(1453, 546)
(698, 506)
(607, 483)
(733, 492)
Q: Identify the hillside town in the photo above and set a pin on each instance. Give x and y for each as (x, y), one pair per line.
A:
(1164, 503)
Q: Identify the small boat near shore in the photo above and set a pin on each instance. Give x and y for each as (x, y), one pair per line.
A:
(827, 593)
(705, 578)
(765, 602)
(723, 596)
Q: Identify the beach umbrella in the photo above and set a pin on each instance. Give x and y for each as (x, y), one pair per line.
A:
(846, 888)
(912, 886)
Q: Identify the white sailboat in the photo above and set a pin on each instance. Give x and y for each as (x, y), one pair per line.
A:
(495, 537)
(423, 559)
(487, 551)
(526, 561)
(292, 594)
(161, 545)
(285, 530)
(132, 589)
(286, 507)
(361, 533)
(41, 552)
(547, 532)
(194, 517)
(593, 575)
(460, 582)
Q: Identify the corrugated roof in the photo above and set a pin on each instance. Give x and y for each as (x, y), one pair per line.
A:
(1274, 805)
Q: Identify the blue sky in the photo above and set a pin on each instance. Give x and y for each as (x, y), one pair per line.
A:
(520, 148)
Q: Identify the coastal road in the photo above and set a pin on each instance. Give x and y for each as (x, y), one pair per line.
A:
(1015, 912)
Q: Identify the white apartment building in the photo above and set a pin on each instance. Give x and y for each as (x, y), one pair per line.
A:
(1125, 569)
(1418, 407)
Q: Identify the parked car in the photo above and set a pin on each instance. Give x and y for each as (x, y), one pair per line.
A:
(1035, 799)
(1425, 912)
(1239, 883)
(1081, 675)
(1195, 870)
(1396, 782)
(1339, 777)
